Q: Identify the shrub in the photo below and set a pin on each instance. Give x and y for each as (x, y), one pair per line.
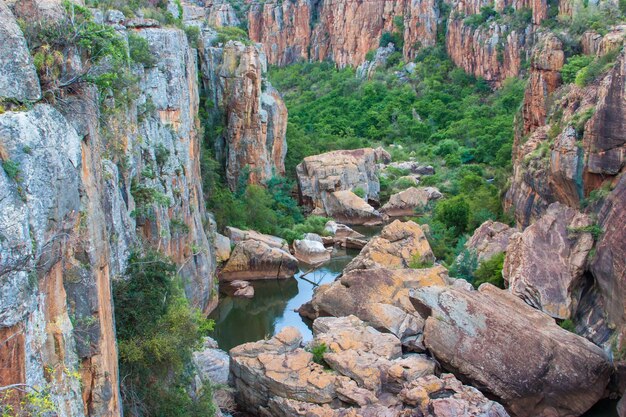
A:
(157, 331)
(573, 66)
(568, 325)
(193, 35)
(12, 169)
(359, 192)
(139, 50)
(417, 263)
(318, 351)
(597, 67)
(453, 213)
(490, 271)
(231, 33)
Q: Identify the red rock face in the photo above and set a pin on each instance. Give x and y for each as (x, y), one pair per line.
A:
(343, 31)
(545, 77)
(284, 29)
(487, 51)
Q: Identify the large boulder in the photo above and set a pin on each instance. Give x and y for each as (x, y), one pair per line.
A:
(278, 367)
(311, 252)
(378, 297)
(511, 350)
(321, 175)
(446, 396)
(545, 264)
(339, 230)
(398, 245)
(253, 259)
(349, 208)
(490, 239)
(406, 202)
(222, 248)
(18, 77)
(237, 235)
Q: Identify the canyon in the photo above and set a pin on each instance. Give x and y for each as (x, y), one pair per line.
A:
(90, 176)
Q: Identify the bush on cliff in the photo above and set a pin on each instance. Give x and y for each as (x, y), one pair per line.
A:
(157, 330)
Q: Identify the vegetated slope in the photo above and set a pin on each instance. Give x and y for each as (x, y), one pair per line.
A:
(429, 110)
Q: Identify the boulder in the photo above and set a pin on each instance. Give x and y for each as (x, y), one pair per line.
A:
(311, 252)
(278, 367)
(238, 235)
(413, 167)
(545, 263)
(446, 396)
(339, 230)
(212, 364)
(406, 202)
(18, 77)
(321, 175)
(239, 288)
(222, 247)
(398, 244)
(314, 237)
(352, 243)
(253, 259)
(378, 297)
(499, 343)
(349, 208)
(490, 239)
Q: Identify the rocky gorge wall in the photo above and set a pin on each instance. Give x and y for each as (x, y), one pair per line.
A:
(342, 31)
(92, 184)
(569, 150)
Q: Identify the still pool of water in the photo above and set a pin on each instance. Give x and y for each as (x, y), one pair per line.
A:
(239, 320)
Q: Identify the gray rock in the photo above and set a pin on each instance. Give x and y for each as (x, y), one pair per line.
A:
(18, 77)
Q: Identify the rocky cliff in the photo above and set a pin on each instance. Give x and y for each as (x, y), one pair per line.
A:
(252, 112)
(83, 185)
(342, 31)
(569, 149)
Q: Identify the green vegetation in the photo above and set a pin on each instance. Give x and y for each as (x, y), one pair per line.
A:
(486, 13)
(594, 229)
(318, 351)
(490, 271)
(157, 331)
(12, 169)
(442, 116)
(360, 192)
(139, 50)
(568, 325)
(230, 33)
(418, 263)
(573, 65)
(586, 75)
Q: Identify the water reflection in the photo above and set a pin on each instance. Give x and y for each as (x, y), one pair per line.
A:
(240, 320)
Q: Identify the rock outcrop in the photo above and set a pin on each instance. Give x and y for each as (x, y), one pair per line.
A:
(378, 297)
(252, 259)
(466, 329)
(545, 77)
(342, 31)
(398, 246)
(545, 263)
(492, 50)
(490, 239)
(18, 78)
(311, 252)
(548, 163)
(608, 266)
(216, 13)
(368, 376)
(82, 194)
(406, 202)
(321, 175)
(254, 116)
(349, 208)
(238, 235)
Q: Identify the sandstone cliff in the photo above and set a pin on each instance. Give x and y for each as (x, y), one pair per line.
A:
(342, 31)
(252, 111)
(569, 148)
(86, 189)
